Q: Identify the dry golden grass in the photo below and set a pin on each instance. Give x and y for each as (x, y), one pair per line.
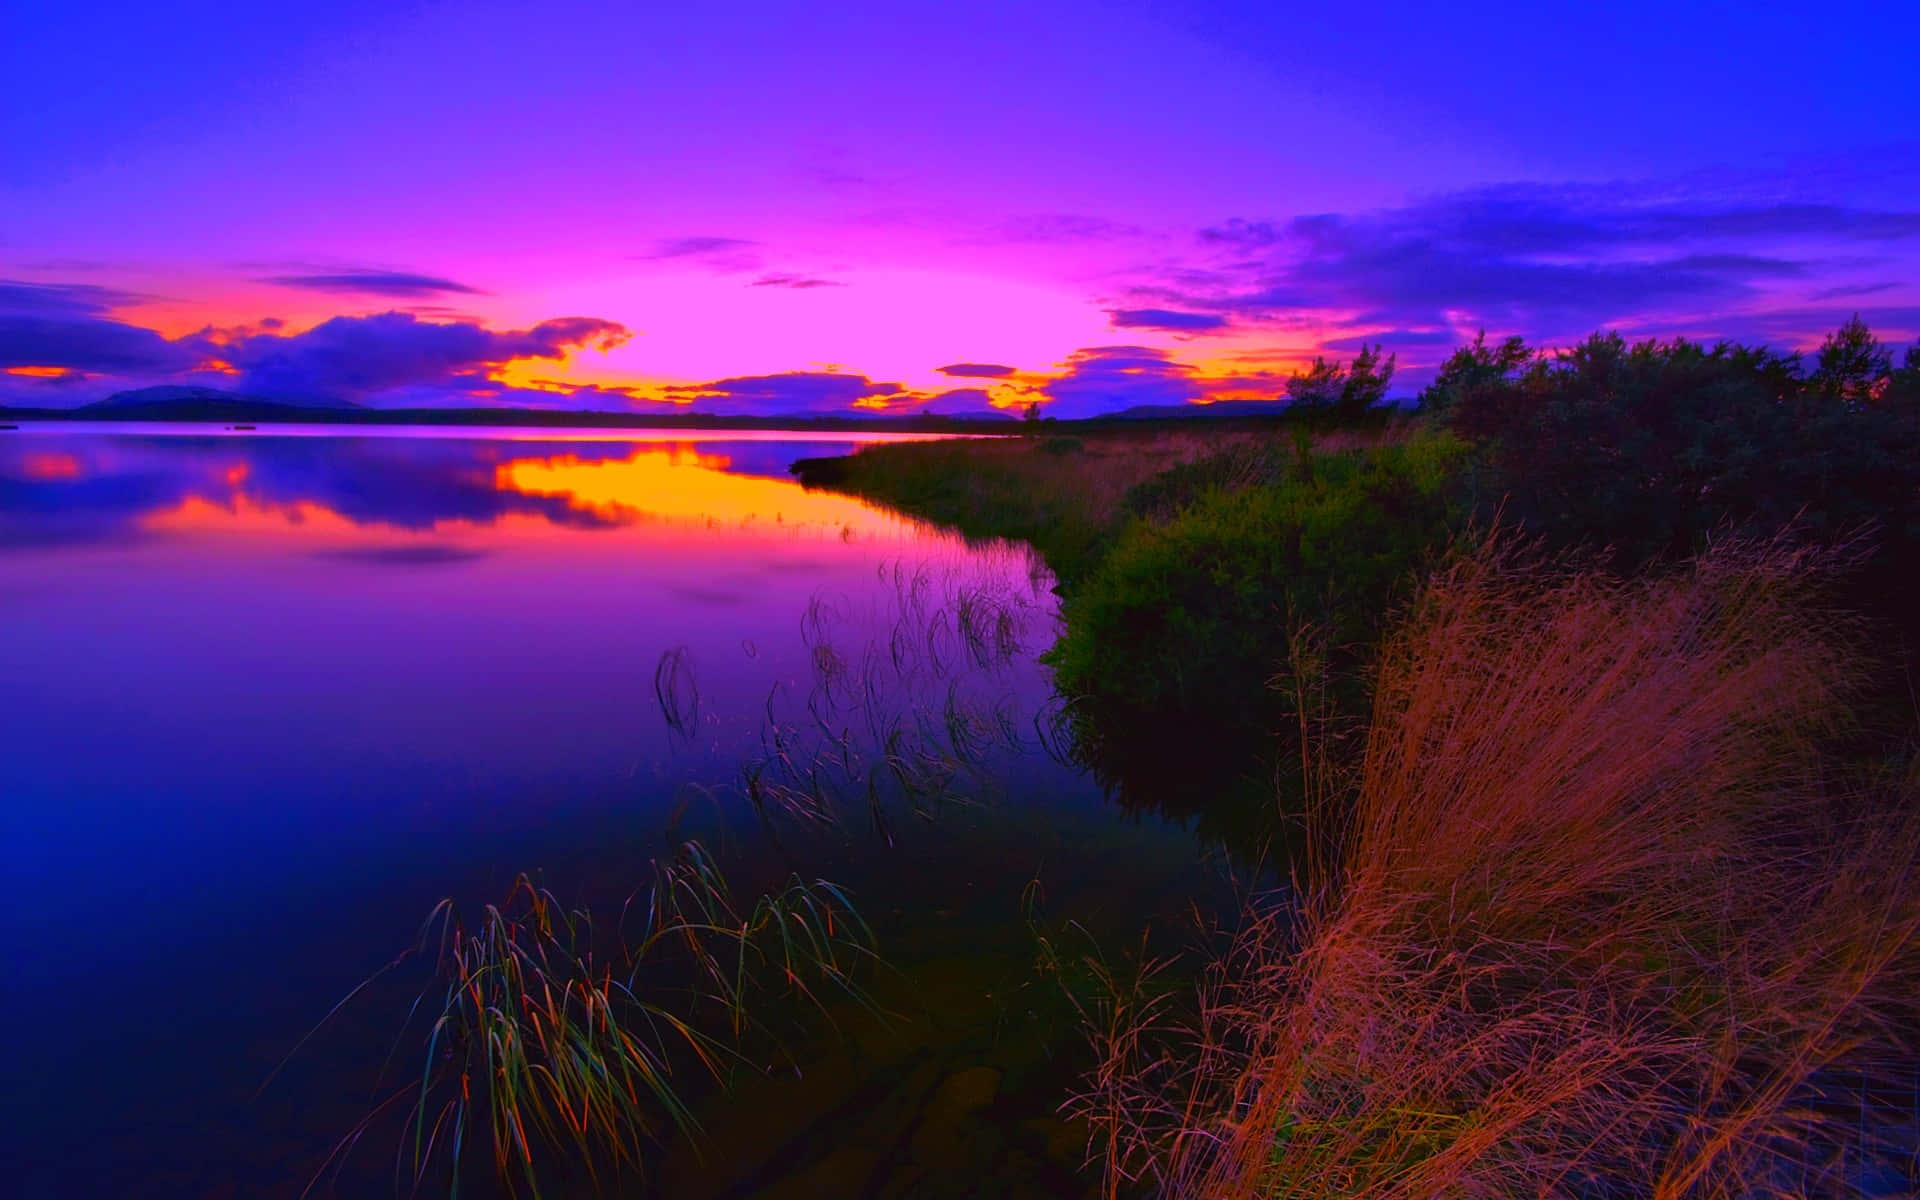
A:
(1597, 924)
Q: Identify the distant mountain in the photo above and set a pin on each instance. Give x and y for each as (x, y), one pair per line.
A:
(1219, 408)
(205, 404)
(211, 405)
(173, 402)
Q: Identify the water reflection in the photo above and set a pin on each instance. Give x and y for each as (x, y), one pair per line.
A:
(59, 489)
(264, 699)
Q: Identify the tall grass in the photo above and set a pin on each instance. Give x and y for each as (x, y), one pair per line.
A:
(1066, 497)
(912, 703)
(550, 1052)
(1597, 921)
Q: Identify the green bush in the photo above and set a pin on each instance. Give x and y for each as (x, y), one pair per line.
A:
(1172, 491)
(1179, 640)
(1650, 450)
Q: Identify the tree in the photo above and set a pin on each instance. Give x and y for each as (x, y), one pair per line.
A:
(1319, 386)
(1475, 365)
(1652, 448)
(1903, 387)
(1853, 366)
(1342, 390)
(1366, 382)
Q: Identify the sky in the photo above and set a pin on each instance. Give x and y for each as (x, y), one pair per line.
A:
(798, 208)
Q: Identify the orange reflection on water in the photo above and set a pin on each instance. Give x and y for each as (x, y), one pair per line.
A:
(48, 468)
(675, 482)
(241, 514)
(671, 490)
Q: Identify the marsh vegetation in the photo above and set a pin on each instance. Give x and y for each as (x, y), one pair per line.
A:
(1590, 919)
(1559, 735)
(1580, 706)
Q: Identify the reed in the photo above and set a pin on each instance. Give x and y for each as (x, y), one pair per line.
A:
(548, 1051)
(1066, 497)
(911, 705)
(1597, 920)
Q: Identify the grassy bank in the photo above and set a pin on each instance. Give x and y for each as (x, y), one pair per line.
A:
(1219, 604)
(1612, 887)
(1201, 571)
(1187, 560)
(1065, 494)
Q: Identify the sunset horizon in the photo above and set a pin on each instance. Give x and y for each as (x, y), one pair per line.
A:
(1090, 208)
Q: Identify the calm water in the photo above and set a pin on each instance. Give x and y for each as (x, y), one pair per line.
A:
(265, 697)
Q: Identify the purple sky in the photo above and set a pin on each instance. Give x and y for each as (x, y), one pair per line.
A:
(805, 208)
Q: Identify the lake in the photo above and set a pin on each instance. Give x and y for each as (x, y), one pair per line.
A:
(267, 696)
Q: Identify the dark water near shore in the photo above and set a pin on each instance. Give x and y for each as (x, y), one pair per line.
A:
(266, 697)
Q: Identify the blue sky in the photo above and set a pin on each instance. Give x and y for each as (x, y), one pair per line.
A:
(801, 208)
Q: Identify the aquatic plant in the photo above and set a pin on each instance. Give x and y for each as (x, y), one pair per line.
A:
(911, 705)
(677, 691)
(548, 1050)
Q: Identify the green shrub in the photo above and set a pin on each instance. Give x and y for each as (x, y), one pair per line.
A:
(1179, 640)
(1653, 449)
(1174, 490)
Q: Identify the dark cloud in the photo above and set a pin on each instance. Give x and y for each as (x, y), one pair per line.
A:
(354, 358)
(64, 326)
(977, 370)
(557, 394)
(1546, 260)
(1547, 218)
(789, 392)
(826, 393)
(1852, 289)
(1244, 234)
(94, 345)
(797, 282)
(1769, 221)
(1749, 266)
(1393, 338)
(727, 255)
(1065, 228)
(692, 247)
(66, 265)
(1166, 320)
(393, 357)
(61, 299)
(1105, 378)
(1806, 324)
(59, 377)
(960, 402)
(67, 389)
(395, 284)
